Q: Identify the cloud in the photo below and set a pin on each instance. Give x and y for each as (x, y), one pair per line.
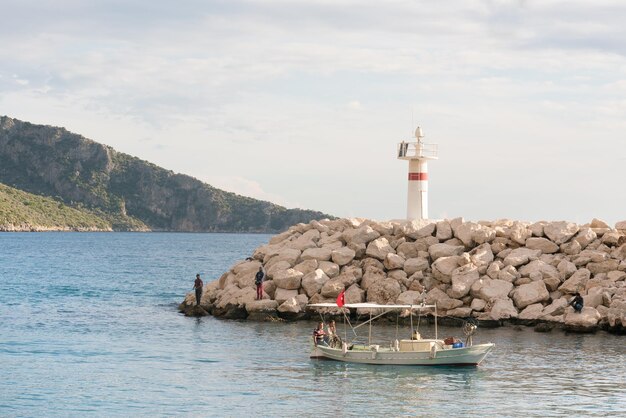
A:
(222, 85)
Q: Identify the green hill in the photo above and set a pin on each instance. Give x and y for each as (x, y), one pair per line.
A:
(128, 192)
(21, 211)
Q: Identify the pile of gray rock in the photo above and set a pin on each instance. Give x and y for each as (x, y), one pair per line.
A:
(501, 271)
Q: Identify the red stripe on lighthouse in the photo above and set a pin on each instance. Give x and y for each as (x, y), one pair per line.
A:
(418, 176)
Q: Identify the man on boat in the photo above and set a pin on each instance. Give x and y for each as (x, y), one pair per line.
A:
(258, 280)
(197, 285)
(319, 334)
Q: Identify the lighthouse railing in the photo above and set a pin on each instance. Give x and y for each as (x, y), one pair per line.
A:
(410, 150)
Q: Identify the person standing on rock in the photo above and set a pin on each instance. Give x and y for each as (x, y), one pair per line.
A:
(258, 280)
(198, 287)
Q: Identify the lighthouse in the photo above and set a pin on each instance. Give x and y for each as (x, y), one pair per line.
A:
(417, 153)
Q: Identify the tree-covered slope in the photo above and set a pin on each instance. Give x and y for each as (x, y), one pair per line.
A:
(54, 162)
(22, 211)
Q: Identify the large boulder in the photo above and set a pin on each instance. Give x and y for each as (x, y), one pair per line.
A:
(306, 240)
(545, 245)
(384, 291)
(418, 228)
(329, 268)
(502, 309)
(371, 276)
(362, 235)
(379, 248)
(290, 255)
(488, 289)
(538, 268)
(462, 280)
(556, 308)
(410, 297)
(576, 282)
(444, 250)
(413, 265)
(585, 237)
(585, 321)
(532, 312)
(509, 274)
(444, 230)
(612, 238)
(234, 296)
(291, 305)
(482, 256)
(484, 235)
(407, 250)
(442, 300)
(306, 266)
(594, 297)
(518, 233)
(276, 267)
(444, 266)
(537, 228)
(354, 294)
(342, 256)
(462, 312)
(332, 288)
(393, 261)
(246, 267)
(312, 282)
(465, 231)
(560, 232)
(520, 256)
(478, 305)
(320, 254)
(281, 295)
(288, 279)
(566, 269)
(530, 293)
(603, 267)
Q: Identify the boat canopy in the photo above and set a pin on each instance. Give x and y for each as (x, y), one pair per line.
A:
(369, 306)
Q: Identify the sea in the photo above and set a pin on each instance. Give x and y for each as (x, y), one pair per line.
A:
(89, 326)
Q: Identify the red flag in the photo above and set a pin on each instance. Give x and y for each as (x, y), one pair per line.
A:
(341, 299)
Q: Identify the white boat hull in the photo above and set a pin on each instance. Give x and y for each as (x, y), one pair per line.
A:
(466, 356)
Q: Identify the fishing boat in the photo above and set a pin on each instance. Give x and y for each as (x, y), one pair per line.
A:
(414, 351)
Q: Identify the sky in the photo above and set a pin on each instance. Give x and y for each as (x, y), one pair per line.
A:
(302, 103)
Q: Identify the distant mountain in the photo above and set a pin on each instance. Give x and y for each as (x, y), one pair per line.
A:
(130, 193)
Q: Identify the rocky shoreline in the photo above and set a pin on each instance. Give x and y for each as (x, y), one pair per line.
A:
(41, 228)
(500, 272)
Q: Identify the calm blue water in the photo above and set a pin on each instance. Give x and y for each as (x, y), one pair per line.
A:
(89, 326)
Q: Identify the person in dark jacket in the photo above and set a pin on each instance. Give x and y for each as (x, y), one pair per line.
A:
(197, 285)
(258, 280)
(577, 302)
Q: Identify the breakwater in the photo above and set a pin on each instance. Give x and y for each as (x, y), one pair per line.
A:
(497, 272)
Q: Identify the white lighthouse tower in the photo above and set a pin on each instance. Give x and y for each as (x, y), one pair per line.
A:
(418, 153)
